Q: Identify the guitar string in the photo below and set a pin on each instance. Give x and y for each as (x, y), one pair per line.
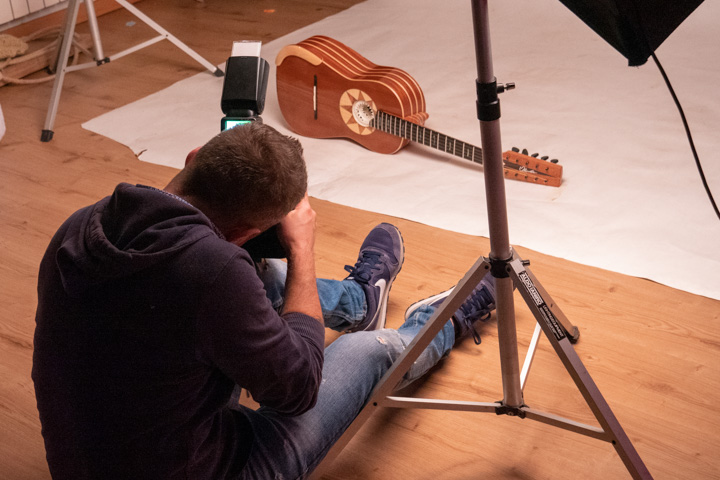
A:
(397, 126)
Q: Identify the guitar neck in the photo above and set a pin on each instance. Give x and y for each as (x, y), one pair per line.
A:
(516, 166)
(399, 127)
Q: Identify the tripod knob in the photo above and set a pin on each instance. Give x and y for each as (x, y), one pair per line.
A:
(505, 86)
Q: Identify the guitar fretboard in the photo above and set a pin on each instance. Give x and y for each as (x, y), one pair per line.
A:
(399, 127)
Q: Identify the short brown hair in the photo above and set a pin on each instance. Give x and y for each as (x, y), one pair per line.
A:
(248, 175)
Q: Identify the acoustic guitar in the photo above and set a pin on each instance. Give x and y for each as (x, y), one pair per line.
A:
(327, 90)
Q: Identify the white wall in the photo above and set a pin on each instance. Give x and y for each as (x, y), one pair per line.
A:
(14, 12)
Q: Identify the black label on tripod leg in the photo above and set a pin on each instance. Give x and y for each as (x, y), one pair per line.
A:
(552, 322)
(544, 310)
(525, 279)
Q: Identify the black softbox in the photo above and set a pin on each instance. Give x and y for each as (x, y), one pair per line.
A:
(635, 28)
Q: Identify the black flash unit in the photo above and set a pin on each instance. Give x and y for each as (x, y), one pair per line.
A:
(245, 84)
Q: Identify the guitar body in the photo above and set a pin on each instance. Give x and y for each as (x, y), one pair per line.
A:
(323, 87)
(327, 90)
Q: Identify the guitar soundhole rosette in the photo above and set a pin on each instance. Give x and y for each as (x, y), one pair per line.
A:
(357, 110)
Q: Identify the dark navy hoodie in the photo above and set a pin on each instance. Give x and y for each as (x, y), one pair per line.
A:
(146, 320)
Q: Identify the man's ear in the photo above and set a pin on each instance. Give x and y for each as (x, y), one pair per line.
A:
(191, 156)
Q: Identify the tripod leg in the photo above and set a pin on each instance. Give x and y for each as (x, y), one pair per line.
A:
(571, 330)
(558, 336)
(530, 356)
(155, 26)
(62, 61)
(95, 33)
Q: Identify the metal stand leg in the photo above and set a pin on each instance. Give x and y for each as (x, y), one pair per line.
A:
(611, 430)
(64, 52)
(95, 33)
(61, 66)
(508, 270)
(164, 34)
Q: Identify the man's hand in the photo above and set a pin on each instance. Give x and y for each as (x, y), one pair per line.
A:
(297, 234)
(297, 229)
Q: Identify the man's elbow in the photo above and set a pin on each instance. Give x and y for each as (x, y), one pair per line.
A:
(303, 389)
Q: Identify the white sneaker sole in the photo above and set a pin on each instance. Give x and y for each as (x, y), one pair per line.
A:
(426, 301)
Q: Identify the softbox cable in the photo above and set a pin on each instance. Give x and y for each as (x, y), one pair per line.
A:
(687, 132)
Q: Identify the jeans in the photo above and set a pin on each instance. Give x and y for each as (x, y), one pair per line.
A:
(291, 447)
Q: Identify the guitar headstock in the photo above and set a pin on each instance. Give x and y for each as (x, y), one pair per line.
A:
(527, 167)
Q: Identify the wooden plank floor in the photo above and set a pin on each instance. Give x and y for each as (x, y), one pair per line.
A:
(652, 350)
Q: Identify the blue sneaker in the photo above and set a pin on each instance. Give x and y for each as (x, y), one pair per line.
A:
(476, 307)
(380, 260)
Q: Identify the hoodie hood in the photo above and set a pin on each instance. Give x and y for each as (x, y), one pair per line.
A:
(133, 229)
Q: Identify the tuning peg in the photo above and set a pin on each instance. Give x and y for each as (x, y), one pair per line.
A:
(525, 151)
(515, 149)
(554, 160)
(535, 155)
(544, 157)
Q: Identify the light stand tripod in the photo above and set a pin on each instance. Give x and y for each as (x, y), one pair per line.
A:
(509, 271)
(99, 57)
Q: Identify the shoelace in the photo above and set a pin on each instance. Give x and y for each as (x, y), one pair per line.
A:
(477, 306)
(362, 271)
